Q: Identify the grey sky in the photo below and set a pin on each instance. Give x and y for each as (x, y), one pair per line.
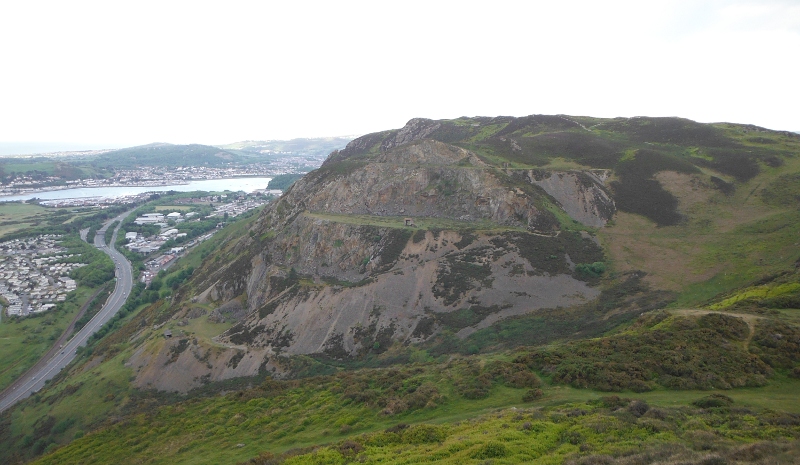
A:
(216, 72)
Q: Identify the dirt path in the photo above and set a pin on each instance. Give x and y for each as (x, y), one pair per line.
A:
(749, 319)
(573, 121)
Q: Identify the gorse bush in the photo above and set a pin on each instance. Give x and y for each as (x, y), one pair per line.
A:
(681, 353)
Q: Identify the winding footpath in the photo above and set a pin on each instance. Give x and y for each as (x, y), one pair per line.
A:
(46, 369)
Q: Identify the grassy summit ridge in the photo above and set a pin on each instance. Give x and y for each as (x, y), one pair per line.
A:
(635, 148)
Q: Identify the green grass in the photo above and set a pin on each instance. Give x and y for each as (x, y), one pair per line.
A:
(765, 291)
(172, 208)
(203, 328)
(48, 167)
(420, 222)
(485, 132)
(22, 219)
(658, 350)
(745, 254)
(281, 417)
(24, 340)
(16, 216)
(92, 394)
(553, 435)
(97, 385)
(317, 411)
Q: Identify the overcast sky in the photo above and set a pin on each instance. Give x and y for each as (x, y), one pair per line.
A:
(129, 73)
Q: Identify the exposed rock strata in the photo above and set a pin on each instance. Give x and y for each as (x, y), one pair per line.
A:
(331, 268)
(580, 193)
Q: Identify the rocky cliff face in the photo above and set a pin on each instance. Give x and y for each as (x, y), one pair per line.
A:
(334, 268)
(581, 194)
(425, 178)
(418, 238)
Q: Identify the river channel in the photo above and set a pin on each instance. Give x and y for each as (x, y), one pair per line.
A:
(209, 185)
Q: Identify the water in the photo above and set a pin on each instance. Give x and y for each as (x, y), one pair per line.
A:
(231, 184)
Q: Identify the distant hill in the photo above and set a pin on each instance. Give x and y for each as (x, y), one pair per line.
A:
(308, 153)
(160, 154)
(320, 146)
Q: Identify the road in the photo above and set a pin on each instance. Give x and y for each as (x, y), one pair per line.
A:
(35, 378)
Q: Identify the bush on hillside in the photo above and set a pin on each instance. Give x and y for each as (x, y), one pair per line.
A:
(686, 354)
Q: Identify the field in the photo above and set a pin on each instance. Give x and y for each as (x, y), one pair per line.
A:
(21, 218)
(15, 216)
(24, 341)
(173, 208)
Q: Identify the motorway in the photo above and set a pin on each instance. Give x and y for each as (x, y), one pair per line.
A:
(35, 378)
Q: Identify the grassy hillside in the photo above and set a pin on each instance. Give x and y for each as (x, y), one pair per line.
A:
(515, 406)
(165, 155)
(689, 355)
(716, 382)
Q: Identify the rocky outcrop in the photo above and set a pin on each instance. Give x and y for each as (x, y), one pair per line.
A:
(424, 178)
(582, 194)
(333, 258)
(416, 129)
(334, 268)
(182, 363)
(430, 279)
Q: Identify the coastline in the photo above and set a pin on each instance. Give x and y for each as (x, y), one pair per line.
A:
(107, 190)
(164, 183)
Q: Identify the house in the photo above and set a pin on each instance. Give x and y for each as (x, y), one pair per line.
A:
(409, 222)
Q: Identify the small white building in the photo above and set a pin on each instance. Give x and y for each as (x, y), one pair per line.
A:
(131, 235)
(174, 216)
(150, 218)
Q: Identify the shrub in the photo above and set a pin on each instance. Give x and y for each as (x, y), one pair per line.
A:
(532, 395)
(724, 187)
(490, 450)
(777, 343)
(350, 448)
(683, 355)
(591, 269)
(638, 408)
(713, 401)
(424, 434)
